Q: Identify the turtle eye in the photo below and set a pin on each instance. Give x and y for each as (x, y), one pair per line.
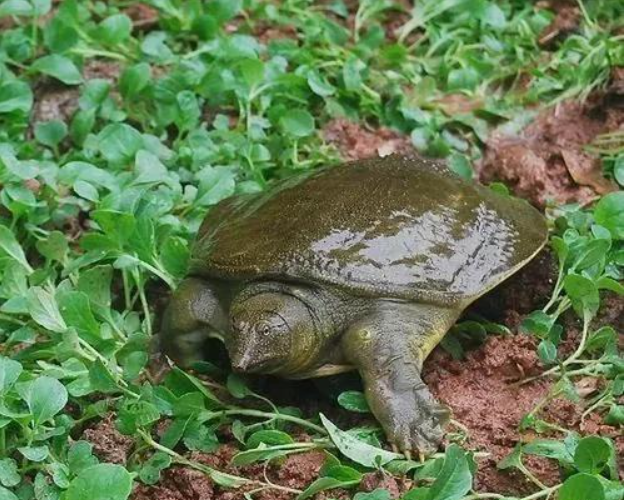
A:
(264, 328)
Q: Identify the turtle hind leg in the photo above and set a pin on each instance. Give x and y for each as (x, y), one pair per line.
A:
(196, 309)
(388, 347)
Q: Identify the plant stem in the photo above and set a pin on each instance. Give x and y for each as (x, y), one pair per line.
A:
(262, 414)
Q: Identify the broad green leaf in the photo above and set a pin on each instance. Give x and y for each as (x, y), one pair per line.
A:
(377, 494)
(354, 401)
(96, 283)
(15, 96)
(581, 487)
(320, 85)
(80, 457)
(76, 312)
(9, 474)
(50, 133)
(150, 473)
(615, 416)
(10, 246)
(356, 450)
(15, 8)
(54, 247)
(101, 378)
(583, 293)
(237, 386)
(455, 478)
(10, 371)
(35, 453)
(261, 454)
(101, 482)
(118, 143)
(322, 484)
(45, 397)
(269, 437)
(59, 67)
(7, 494)
(297, 123)
(549, 448)
(44, 309)
(592, 454)
(114, 29)
(134, 80)
(609, 213)
(547, 352)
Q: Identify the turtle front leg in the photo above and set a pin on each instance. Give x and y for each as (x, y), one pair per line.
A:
(195, 310)
(388, 347)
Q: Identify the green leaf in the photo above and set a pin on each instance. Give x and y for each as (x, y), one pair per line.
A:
(549, 448)
(15, 96)
(320, 85)
(96, 283)
(101, 378)
(377, 494)
(59, 67)
(297, 123)
(76, 312)
(10, 371)
(455, 479)
(43, 308)
(261, 454)
(54, 247)
(150, 473)
(50, 133)
(460, 164)
(9, 475)
(10, 246)
(80, 457)
(592, 454)
(45, 397)
(547, 352)
(15, 8)
(356, 450)
(6, 494)
(615, 415)
(35, 453)
(252, 71)
(237, 386)
(118, 143)
(324, 483)
(134, 80)
(584, 295)
(354, 401)
(189, 111)
(101, 482)
(609, 213)
(114, 29)
(269, 437)
(581, 487)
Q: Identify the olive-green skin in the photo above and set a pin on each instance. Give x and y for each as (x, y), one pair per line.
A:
(363, 266)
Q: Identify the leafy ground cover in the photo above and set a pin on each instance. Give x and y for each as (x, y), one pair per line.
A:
(122, 123)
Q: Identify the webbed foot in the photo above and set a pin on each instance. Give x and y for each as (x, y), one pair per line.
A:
(413, 420)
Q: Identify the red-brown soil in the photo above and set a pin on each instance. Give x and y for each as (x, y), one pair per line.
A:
(547, 161)
(355, 142)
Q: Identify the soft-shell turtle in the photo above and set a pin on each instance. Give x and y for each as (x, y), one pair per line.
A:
(363, 266)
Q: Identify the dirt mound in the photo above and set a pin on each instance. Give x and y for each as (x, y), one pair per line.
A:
(109, 445)
(355, 142)
(479, 393)
(547, 161)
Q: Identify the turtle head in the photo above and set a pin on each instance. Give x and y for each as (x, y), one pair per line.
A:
(271, 332)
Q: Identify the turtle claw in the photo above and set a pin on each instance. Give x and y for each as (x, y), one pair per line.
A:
(408, 455)
(421, 457)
